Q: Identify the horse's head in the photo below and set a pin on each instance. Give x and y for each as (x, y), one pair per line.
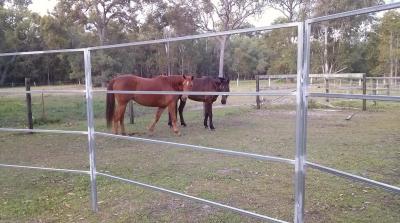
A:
(223, 86)
(187, 85)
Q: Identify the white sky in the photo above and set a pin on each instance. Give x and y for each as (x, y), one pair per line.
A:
(43, 6)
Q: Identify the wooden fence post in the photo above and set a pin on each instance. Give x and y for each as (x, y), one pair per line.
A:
(387, 88)
(258, 90)
(327, 87)
(29, 103)
(364, 87)
(374, 85)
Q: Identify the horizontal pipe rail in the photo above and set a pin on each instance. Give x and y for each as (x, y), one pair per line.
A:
(45, 168)
(42, 52)
(42, 91)
(44, 131)
(374, 183)
(202, 148)
(200, 93)
(147, 42)
(356, 96)
(154, 92)
(382, 78)
(215, 204)
(198, 36)
(326, 76)
(371, 9)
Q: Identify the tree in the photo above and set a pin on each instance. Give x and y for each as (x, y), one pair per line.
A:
(388, 31)
(224, 15)
(289, 8)
(99, 17)
(337, 38)
(18, 32)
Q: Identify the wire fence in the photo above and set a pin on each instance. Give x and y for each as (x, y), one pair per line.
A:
(302, 96)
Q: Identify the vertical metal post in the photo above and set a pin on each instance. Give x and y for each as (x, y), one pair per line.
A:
(90, 123)
(303, 62)
(374, 85)
(258, 90)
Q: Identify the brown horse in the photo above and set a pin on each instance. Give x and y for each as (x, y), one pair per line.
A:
(205, 84)
(135, 83)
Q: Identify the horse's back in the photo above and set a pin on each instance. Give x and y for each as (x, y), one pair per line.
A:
(136, 83)
(129, 82)
(204, 84)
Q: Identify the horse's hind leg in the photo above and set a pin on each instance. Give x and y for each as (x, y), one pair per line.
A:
(205, 115)
(158, 115)
(210, 114)
(119, 118)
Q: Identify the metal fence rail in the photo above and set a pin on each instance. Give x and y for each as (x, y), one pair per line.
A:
(300, 163)
(202, 148)
(45, 168)
(160, 189)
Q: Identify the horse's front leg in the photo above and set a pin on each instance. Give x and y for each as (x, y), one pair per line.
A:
(210, 116)
(172, 113)
(205, 114)
(181, 107)
(158, 115)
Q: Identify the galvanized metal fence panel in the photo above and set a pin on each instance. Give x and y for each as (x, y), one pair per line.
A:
(300, 163)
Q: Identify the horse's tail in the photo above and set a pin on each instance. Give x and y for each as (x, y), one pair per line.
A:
(110, 104)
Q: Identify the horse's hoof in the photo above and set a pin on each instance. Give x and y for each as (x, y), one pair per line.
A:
(212, 128)
(183, 124)
(206, 126)
(178, 133)
(123, 134)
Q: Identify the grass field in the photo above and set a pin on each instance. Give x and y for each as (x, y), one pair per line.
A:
(368, 145)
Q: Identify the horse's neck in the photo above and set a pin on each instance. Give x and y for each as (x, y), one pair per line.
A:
(173, 80)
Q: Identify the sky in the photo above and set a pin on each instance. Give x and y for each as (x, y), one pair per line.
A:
(42, 6)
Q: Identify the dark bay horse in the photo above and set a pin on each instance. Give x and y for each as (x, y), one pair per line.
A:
(135, 83)
(205, 84)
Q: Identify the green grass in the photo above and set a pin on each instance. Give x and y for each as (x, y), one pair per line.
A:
(367, 145)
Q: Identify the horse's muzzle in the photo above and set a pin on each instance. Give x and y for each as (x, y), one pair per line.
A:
(223, 99)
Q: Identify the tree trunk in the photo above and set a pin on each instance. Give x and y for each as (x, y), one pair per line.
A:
(391, 56)
(326, 66)
(222, 42)
(396, 60)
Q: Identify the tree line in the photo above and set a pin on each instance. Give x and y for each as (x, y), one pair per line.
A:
(363, 44)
